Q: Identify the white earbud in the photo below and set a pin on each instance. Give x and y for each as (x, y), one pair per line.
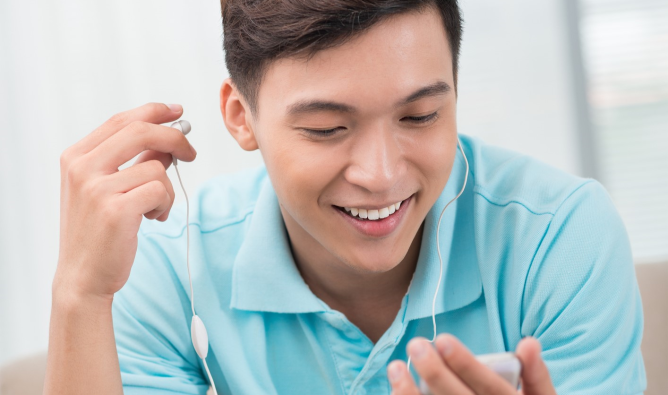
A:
(182, 126)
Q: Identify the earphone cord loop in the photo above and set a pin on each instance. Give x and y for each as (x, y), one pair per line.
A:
(438, 249)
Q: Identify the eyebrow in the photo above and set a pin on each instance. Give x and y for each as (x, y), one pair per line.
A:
(312, 106)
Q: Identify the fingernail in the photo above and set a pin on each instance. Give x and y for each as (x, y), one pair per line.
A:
(175, 107)
(417, 350)
(395, 371)
(445, 347)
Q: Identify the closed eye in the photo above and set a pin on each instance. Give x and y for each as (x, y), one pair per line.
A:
(321, 132)
(422, 119)
(328, 132)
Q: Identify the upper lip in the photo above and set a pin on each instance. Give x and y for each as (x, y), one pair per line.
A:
(375, 206)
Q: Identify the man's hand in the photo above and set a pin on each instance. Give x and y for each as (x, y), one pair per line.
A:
(450, 368)
(101, 209)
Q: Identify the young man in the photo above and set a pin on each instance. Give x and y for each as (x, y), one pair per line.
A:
(352, 104)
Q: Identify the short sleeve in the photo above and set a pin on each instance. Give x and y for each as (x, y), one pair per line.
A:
(151, 316)
(581, 299)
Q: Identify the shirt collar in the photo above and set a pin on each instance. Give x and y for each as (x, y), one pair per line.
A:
(265, 277)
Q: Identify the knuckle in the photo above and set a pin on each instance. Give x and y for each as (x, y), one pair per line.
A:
(137, 127)
(154, 108)
(156, 168)
(118, 119)
(92, 189)
(155, 190)
(75, 173)
(66, 158)
(170, 188)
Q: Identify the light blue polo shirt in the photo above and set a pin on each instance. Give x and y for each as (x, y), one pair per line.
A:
(528, 250)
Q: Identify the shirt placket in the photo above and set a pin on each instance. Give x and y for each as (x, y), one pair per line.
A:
(359, 362)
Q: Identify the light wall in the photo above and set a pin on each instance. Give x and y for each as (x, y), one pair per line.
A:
(516, 83)
(67, 66)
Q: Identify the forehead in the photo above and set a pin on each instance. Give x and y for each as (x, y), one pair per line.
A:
(373, 70)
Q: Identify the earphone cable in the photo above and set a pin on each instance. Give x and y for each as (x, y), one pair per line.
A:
(192, 294)
(438, 249)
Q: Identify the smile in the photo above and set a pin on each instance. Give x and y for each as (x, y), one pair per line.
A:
(374, 222)
(373, 215)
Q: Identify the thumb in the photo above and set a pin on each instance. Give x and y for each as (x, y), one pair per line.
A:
(535, 376)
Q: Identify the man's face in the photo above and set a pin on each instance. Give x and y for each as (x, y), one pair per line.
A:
(364, 126)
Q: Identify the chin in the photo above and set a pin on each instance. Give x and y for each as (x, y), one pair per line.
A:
(374, 261)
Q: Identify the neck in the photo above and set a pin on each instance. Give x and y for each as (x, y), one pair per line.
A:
(339, 283)
(370, 300)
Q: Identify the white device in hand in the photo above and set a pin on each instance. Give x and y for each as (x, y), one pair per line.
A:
(505, 364)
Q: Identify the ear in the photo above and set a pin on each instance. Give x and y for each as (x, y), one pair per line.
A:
(236, 115)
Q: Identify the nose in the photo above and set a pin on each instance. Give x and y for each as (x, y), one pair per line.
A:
(376, 160)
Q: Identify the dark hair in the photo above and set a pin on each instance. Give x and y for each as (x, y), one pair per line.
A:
(257, 32)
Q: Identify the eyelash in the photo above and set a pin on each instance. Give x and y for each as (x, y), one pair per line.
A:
(329, 132)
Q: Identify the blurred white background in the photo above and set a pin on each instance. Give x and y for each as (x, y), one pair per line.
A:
(66, 66)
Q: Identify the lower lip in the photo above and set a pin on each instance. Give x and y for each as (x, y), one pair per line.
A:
(379, 227)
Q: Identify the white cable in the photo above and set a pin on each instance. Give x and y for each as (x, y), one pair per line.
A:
(438, 249)
(208, 372)
(192, 294)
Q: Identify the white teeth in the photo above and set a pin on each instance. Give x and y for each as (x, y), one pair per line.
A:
(373, 214)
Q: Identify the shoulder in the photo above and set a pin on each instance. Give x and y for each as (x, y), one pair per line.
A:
(222, 201)
(515, 193)
(219, 216)
(540, 229)
(504, 177)
(523, 207)
(556, 263)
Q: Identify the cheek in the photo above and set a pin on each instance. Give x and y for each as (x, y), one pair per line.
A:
(437, 158)
(433, 153)
(300, 170)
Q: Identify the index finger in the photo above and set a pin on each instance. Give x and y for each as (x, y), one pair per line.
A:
(535, 375)
(134, 139)
(149, 112)
(481, 379)
(432, 369)
(401, 380)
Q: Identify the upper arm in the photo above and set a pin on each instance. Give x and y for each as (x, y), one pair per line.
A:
(581, 299)
(151, 324)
